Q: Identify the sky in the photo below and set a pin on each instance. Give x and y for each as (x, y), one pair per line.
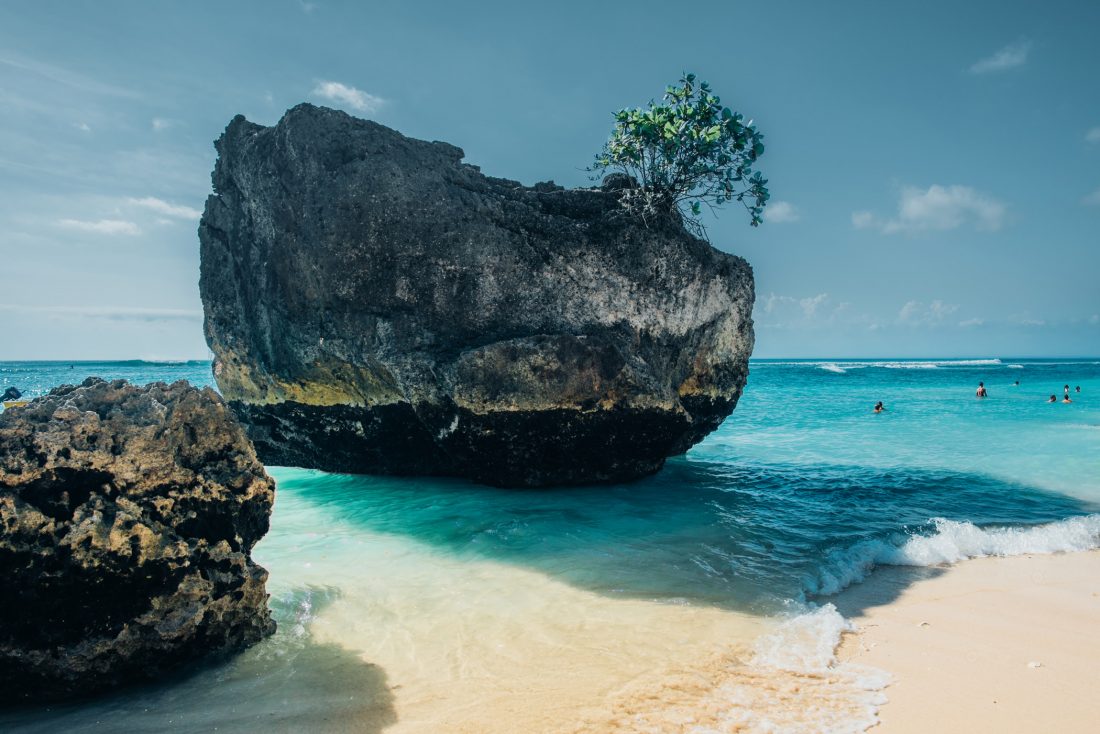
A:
(934, 166)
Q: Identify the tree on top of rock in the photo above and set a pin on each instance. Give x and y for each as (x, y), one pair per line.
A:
(686, 153)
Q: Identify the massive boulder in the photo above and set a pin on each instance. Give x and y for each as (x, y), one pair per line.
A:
(375, 305)
(126, 519)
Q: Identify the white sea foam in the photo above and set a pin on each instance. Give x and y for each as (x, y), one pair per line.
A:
(1014, 366)
(804, 642)
(952, 542)
(832, 367)
(908, 365)
(794, 683)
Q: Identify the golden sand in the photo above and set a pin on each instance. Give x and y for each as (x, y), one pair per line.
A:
(989, 645)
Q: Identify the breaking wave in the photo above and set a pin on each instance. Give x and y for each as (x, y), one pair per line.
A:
(951, 542)
(842, 366)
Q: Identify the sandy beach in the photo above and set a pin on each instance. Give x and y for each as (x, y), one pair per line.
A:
(992, 644)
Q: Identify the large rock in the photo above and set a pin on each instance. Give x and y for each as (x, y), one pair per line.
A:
(126, 519)
(375, 305)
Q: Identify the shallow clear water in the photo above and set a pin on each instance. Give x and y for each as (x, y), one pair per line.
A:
(801, 492)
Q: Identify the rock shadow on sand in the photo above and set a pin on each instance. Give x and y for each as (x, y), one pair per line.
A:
(287, 683)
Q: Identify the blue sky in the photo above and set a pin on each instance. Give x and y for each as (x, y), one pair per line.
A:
(935, 167)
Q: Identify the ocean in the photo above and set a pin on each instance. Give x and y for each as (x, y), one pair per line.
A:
(694, 600)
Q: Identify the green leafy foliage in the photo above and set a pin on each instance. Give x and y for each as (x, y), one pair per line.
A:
(686, 153)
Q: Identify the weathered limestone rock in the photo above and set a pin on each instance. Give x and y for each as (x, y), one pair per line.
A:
(375, 305)
(127, 516)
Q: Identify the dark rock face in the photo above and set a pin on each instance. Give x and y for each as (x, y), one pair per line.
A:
(126, 520)
(375, 305)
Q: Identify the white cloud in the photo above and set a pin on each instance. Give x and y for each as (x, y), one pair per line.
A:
(161, 206)
(781, 211)
(307, 8)
(937, 208)
(916, 313)
(1093, 135)
(969, 323)
(102, 226)
(355, 98)
(82, 126)
(1092, 199)
(1009, 57)
(161, 123)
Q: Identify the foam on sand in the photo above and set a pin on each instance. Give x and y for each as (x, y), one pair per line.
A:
(789, 681)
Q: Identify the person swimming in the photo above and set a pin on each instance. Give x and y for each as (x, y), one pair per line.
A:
(879, 407)
(981, 390)
(1017, 383)
(1053, 399)
(1066, 399)
(1078, 388)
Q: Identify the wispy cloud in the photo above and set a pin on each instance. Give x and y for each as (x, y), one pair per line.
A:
(1009, 57)
(307, 8)
(778, 212)
(65, 77)
(809, 305)
(161, 206)
(357, 99)
(113, 313)
(916, 313)
(808, 312)
(863, 220)
(936, 208)
(1092, 199)
(1093, 135)
(812, 313)
(101, 226)
(161, 123)
(82, 126)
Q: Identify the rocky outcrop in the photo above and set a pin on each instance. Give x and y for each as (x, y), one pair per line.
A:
(126, 519)
(375, 305)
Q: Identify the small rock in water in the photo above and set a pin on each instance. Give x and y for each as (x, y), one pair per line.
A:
(127, 515)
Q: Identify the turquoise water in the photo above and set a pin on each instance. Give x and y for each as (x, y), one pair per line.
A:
(801, 492)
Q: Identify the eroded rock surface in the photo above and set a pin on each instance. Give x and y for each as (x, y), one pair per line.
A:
(375, 305)
(127, 516)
